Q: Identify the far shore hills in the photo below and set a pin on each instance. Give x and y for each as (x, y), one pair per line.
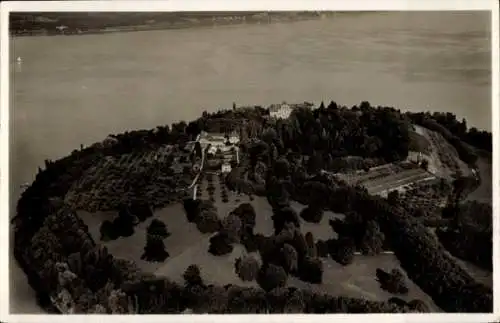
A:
(80, 23)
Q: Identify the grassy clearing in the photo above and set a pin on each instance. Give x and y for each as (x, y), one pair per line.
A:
(187, 246)
(359, 280)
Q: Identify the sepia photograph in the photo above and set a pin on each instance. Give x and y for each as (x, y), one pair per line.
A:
(248, 162)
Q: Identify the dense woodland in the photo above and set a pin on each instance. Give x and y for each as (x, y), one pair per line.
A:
(283, 163)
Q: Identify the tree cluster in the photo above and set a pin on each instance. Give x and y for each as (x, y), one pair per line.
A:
(394, 282)
(203, 214)
(469, 234)
(453, 127)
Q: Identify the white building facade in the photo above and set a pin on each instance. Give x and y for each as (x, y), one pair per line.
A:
(280, 111)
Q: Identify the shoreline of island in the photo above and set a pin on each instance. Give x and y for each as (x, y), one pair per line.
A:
(43, 220)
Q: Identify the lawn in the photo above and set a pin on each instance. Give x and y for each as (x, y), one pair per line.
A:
(187, 246)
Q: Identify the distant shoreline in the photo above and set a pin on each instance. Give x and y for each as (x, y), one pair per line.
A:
(61, 26)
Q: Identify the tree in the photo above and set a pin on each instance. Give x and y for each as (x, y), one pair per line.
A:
(322, 248)
(154, 249)
(231, 226)
(124, 222)
(107, 231)
(271, 276)
(286, 235)
(294, 302)
(141, 210)
(393, 197)
(281, 216)
(312, 214)
(425, 164)
(158, 228)
(208, 222)
(192, 208)
(311, 246)
(311, 270)
(398, 301)
(290, 258)
(247, 268)
(418, 305)
(281, 168)
(220, 244)
(249, 241)
(373, 239)
(192, 275)
(246, 213)
(342, 250)
(393, 282)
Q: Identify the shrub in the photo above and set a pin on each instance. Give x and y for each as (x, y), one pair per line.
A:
(312, 214)
(311, 270)
(271, 276)
(192, 275)
(247, 268)
(220, 245)
(157, 227)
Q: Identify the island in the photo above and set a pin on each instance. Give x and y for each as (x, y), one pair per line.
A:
(293, 208)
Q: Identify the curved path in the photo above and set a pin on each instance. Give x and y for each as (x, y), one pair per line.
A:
(199, 173)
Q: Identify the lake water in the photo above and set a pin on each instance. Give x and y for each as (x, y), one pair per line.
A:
(73, 90)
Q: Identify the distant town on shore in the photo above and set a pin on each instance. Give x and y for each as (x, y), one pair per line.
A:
(77, 23)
